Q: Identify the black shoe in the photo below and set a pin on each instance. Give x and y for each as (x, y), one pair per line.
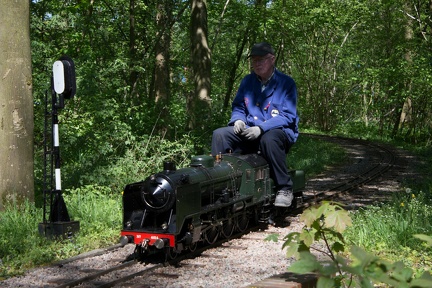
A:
(284, 198)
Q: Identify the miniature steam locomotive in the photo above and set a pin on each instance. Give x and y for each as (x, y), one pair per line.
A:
(175, 210)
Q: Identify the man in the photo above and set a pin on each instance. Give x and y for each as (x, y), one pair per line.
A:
(264, 118)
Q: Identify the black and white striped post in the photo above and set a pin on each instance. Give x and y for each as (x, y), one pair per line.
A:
(57, 223)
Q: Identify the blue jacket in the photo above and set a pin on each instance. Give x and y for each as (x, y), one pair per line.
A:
(273, 108)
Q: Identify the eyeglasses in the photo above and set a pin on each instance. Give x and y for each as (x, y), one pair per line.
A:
(260, 60)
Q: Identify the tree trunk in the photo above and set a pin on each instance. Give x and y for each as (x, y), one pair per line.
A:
(405, 108)
(199, 102)
(16, 104)
(163, 19)
(162, 69)
(133, 74)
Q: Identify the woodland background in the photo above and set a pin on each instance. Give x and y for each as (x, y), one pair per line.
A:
(154, 78)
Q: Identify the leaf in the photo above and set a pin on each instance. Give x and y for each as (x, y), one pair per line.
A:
(272, 237)
(338, 220)
(307, 263)
(303, 248)
(317, 226)
(293, 250)
(324, 209)
(324, 282)
(307, 236)
(365, 283)
(426, 238)
(425, 280)
(401, 273)
(291, 237)
(362, 256)
(328, 268)
(309, 216)
(338, 247)
(421, 283)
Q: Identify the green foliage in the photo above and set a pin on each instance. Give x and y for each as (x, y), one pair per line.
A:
(324, 226)
(358, 129)
(355, 64)
(313, 155)
(98, 209)
(388, 229)
(21, 247)
(325, 222)
(140, 159)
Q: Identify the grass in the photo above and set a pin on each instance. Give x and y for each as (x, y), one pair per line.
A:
(313, 156)
(22, 248)
(387, 230)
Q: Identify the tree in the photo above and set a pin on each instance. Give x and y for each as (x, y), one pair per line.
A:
(16, 104)
(199, 102)
(162, 57)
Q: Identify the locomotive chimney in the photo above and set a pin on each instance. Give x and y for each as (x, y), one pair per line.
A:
(169, 166)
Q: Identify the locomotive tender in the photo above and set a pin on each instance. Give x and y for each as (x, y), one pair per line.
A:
(174, 210)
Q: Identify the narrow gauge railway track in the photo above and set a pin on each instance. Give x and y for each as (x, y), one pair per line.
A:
(367, 161)
(133, 268)
(93, 276)
(165, 270)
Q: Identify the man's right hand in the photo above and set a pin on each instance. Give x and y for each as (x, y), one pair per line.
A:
(239, 126)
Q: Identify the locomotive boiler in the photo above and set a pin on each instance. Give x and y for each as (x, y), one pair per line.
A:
(175, 210)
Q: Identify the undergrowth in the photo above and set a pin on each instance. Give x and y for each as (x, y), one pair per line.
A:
(313, 156)
(22, 247)
(387, 229)
(344, 264)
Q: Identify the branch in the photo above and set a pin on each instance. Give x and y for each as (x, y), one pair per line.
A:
(417, 19)
(220, 25)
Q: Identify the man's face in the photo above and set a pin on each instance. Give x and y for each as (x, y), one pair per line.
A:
(263, 65)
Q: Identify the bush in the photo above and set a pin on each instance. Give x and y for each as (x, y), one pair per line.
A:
(99, 211)
(313, 156)
(388, 229)
(140, 160)
(326, 224)
(22, 247)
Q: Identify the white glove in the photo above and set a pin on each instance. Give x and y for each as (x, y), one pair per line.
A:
(252, 133)
(239, 126)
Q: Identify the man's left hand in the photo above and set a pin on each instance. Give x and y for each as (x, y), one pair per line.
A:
(252, 133)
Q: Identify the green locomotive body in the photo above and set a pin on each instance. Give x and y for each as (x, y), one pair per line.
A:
(176, 209)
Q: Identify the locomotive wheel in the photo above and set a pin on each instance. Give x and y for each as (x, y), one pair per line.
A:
(242, 222)
(193, 246)
(170, 253)
(211, 235)
(227, 228)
